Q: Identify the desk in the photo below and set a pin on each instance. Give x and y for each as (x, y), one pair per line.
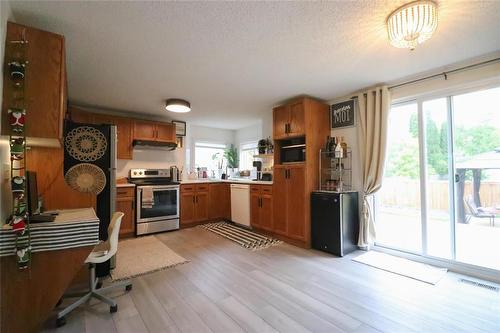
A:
(59, 250)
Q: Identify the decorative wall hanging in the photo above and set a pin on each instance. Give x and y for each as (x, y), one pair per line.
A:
(86, 178)
(19, 219)
(85, 144)
(342, 114)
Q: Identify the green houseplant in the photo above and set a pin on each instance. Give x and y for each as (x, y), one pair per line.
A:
(231, 156)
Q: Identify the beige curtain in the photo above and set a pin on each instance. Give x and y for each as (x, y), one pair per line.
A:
(373, 110)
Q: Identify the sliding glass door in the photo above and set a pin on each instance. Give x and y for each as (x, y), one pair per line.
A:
(441, 191)
(476, 151)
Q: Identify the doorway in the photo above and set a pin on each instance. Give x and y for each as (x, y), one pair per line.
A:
(440, 196)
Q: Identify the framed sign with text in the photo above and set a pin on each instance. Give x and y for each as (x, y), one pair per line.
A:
(342, 114)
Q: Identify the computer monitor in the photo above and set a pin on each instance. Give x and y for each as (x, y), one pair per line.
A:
(32, 194)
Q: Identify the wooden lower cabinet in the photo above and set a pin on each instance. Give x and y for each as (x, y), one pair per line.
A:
(188, 206)
(289, 206)
(194, 203)
(261, 207)
(201, 211)
(125, 203)
(280, 201)
(219, 201)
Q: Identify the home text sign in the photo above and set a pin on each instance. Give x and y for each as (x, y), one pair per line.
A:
(343, 114)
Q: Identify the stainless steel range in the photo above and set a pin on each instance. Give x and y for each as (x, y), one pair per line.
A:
(157, 200)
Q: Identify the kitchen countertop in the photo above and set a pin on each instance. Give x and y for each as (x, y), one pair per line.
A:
(234, 181)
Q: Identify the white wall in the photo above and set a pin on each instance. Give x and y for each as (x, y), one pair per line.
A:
(247, 134)
(5, 199)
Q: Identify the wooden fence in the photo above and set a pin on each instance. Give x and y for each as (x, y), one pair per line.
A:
(406, 193)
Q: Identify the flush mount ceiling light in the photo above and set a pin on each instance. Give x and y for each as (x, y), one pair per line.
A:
(177, 105)
(412, 24)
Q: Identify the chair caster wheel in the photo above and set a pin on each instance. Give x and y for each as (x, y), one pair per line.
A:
(98, 285)
(128, 287)
(113, 309)
(59, 302)
(60, 321)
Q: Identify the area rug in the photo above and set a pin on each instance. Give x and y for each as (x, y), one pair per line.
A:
(143, 255)
(401, 266)
(243, 237)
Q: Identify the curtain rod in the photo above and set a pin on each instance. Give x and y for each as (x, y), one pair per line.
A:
(445, 74)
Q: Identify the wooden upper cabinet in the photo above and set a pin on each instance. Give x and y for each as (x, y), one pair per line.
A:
(144, 130)
(124, 147)
(45, 81)
(281, 115)
(289, 120)
(296, 124)
(154, 131)
(165, 132)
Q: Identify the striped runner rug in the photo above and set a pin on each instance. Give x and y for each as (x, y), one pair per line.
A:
(244, 237)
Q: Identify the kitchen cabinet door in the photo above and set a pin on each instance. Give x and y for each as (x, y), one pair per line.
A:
(201, 211)
(45, 83)
(215, 201)
(124, 138)
(281, 116)
(266, 212)
(79, 116)
(165, 132)
(297, 119)
(226, 202)
(255, 209)
(126, 205)
(280, 208)
(144, 130)
(296, 202)
(188, 205)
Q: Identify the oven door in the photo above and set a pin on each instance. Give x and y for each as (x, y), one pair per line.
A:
(165, 204)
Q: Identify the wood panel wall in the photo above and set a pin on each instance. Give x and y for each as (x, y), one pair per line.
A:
(48, 163)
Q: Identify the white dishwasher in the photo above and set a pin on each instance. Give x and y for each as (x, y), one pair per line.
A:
(240, 204)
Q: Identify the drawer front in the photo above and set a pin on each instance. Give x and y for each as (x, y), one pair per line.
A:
(125, 191)
(255, 188)
(267, 189)
(187, 188)
(201, 188)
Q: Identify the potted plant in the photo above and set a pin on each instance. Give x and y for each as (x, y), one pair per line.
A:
(231, 156)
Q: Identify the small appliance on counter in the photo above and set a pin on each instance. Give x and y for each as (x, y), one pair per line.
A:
(293, 150)
(157, 200)
(334, 222)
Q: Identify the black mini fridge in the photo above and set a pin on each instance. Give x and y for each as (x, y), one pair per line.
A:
(334, 222)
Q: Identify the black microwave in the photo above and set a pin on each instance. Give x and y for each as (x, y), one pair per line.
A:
(293, 150)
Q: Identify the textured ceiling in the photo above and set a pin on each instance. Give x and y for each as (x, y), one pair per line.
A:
(235, 60)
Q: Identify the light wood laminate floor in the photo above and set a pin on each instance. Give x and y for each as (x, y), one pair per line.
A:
(226, 288)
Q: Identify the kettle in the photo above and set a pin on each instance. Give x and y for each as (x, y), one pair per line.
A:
(174, 173)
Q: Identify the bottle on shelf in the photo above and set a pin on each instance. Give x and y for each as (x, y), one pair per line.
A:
(339, 153)
(343, 144)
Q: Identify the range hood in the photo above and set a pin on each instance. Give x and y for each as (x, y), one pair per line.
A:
(156, 144)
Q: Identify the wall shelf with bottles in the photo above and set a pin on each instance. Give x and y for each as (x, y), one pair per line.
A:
(335, 173)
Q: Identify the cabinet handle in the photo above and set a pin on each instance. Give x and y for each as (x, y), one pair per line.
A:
(260, 202)
(288, 128)
(194, 200)
(132, 204)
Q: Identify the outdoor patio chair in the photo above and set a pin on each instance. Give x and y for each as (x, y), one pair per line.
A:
(479, 212)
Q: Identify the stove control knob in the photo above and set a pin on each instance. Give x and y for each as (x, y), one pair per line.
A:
(140, 173)
(135, 173)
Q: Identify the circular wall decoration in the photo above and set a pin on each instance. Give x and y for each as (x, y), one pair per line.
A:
(86, 178)
(85, 144)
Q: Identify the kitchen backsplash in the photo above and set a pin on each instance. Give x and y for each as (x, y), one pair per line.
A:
(151, 158)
